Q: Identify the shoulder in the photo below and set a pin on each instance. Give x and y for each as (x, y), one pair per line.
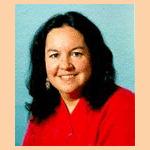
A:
(123, 92)
(123, 95)
(121, 99)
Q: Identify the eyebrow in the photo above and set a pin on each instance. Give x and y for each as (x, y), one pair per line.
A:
(55, 50)
(78, 47)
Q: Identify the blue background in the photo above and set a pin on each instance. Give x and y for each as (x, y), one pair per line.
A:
(116, 23)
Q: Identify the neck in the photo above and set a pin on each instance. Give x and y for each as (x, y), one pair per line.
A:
(70, 97)
(75, 95)
(71, 100)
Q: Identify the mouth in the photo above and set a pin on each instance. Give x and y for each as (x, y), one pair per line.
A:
(67, 76)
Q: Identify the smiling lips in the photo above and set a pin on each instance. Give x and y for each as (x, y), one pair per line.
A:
(67, 76)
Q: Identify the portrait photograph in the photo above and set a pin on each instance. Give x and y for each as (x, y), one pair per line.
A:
(74, 75)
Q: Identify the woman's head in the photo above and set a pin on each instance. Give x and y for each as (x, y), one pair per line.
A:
(99, 76)
(67, 58)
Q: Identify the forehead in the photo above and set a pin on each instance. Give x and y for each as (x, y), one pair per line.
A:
(64, 29)
(65, 32)
(64, 35)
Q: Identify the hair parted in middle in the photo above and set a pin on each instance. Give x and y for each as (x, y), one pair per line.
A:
(101, 84)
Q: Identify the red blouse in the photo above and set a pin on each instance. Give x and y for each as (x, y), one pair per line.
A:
(111, 125)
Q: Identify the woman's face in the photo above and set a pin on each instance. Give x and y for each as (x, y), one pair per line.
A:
(67, 60)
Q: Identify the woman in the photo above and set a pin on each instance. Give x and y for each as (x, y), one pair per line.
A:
(72, 82)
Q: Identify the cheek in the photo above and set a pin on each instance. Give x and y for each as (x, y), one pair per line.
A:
(84, 67)
(51, 69)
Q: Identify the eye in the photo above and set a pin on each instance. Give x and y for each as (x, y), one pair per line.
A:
(54, 55)
(77, 54)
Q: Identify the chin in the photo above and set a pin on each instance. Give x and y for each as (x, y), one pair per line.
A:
(69, 90)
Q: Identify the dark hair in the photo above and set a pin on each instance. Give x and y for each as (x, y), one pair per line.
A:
(99, 87)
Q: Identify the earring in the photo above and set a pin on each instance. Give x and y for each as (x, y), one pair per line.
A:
(47, 84)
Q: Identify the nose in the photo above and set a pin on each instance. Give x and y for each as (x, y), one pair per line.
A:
(66, 64)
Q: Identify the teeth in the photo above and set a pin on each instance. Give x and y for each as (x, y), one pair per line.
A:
(67, 77)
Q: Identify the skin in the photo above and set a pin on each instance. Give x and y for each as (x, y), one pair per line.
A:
(68, 64)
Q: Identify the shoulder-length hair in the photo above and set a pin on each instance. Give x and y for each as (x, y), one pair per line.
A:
(99, 87)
